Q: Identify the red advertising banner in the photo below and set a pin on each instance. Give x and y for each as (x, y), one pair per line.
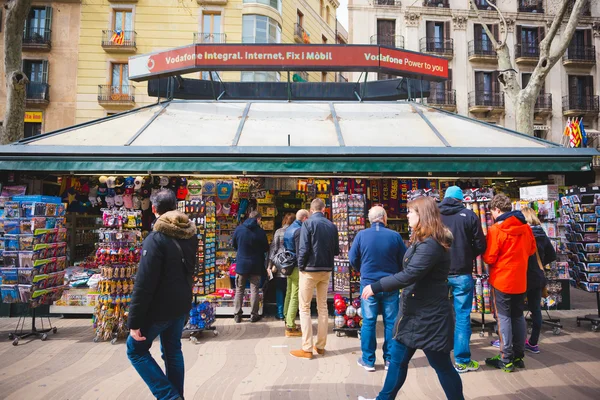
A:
(286, 57)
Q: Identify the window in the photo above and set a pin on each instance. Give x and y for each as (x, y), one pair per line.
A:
(260, 29)
(482, 40)
(276, 4)
(123, 22)
(324, 39)
(529, 40)
(437, 35)
(327, 16)
(299, 18)
(386, 32)
(38, 25)
(581, 86)
(120, 78)
(525, 78)
(36, 70)
(322, 9)
(32, 129)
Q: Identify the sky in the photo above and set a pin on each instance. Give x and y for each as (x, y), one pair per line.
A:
(342, 13)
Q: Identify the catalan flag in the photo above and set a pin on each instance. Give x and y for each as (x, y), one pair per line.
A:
(118, 37)
(575, 139)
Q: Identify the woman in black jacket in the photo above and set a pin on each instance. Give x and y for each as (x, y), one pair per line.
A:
(536, 278)
(425, 317)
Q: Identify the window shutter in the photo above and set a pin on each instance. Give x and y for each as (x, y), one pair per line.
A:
(495, 83)
(45, 71)
(519, 35)
(589, 85)
(430, 29)
(541, 34)
(495, 31)
(447, 30)
(479, 81)
(587, 37)
(48, 19)
(478, 30)
(449, 81)
(572, 85)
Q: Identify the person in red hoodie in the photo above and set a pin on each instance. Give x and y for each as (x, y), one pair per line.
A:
(510, 242)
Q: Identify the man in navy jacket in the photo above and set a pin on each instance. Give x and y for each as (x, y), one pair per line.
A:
(377, 252)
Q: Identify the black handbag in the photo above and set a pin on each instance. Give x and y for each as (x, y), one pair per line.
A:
(285, 261)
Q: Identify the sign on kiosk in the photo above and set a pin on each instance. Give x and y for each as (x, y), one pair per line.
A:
(33, 116)
(287, 57)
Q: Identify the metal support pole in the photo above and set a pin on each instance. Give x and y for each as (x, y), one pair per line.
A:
(408, 89)
(212, 85)
(421, 83)
(289, 87)
(364, 88)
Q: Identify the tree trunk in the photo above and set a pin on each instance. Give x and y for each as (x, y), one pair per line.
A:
(13, 126)
(524, 110)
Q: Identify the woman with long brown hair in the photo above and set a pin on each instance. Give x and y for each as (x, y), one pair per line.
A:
(425, 317)
(280, 280)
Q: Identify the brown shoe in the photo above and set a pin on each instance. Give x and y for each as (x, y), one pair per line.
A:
(320, 352)
(302, 354)
(293, 332)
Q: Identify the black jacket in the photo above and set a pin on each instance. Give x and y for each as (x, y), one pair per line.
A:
(425, 318)
(250, 242)
(163, 283)
(469, 240)
(318, 244)
(535, 276)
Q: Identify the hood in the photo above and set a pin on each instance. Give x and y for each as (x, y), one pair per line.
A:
(252, 224)
(175, 224)
(517, 214)
(451, 206)
(513, 226)
(538, 231)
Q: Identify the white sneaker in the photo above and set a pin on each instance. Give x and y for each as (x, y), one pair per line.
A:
(361, 363)
(363, 398)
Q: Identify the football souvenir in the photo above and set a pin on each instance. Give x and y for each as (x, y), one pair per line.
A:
(119, 181)
(119, 200)
(351, 323)
(110, 182)
(138, 183)
(351, 312)
(209, 188)
(224, 191)
(356, 303)
(164, 181)
(129, 182)
(195, 187)
(127, 201)
(339, 321)
(359, 312)
(137, 203)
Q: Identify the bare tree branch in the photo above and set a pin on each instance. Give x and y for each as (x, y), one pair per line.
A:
(487, 30)
(569, 30)
(545, 44)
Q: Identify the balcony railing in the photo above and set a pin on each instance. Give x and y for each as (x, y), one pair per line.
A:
(586, 104)
(437, 46)
(482, 98)
(436, 3)
(207, 37)
(587, 11)
(580, 54)
(485, 4)
(480, 48)
(388, 40)
(442, 98)
(37, 37)
(531, 6)
(115, 95)
(527, 50)
(37, 92)
(543, 102)
(392, 3)
(300, 35)
(118, 39)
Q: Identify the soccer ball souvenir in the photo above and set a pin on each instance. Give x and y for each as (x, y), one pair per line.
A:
(351, 312)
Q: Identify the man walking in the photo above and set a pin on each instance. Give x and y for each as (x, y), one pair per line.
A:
(510, 243)
(318, 246)
(469, 242)
(377, 252)
(162, 297)
(250, 242)
(291, 242)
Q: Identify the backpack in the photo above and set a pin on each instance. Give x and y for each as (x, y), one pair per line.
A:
(285, 261)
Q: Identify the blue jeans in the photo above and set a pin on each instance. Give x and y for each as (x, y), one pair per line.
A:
(387, 305)
(441, 362)
(169, 386)
(280, 288)
(461, 287)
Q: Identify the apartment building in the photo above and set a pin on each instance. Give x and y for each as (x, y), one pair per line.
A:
(451, 29)
(113, 30)
(50, 46)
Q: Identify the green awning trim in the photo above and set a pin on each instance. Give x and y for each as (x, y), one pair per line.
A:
(304, 165)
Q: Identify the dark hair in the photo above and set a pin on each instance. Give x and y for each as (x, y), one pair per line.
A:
(501, 202)
(430, 222)
(164, 201)
(288, 219)
(255, 214)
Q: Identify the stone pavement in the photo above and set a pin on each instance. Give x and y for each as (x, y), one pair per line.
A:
(251, 361)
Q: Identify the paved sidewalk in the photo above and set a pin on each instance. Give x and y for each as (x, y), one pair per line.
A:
(251, 361)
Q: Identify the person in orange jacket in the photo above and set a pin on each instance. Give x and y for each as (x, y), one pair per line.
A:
(510, 242)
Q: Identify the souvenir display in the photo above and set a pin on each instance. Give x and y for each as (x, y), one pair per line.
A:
(347, 315)
(202, 316)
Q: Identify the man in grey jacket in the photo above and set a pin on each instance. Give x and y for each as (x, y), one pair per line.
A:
(318, 246)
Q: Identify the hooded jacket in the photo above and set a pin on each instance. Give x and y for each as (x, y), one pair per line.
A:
(250, 242)
(469, 240)
(510, 243)
(536, 279)
(163, 283)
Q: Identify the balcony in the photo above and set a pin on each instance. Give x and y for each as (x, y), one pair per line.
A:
(205, 37)
(531, 6)
(396, 41)
(527, 53)
(580, 56)
(438, 47)
(485, 4)
(37, 39)
(300, 35)
(480, 51)
(574, 105)
(543, 105)
(445, 99)
(115, 41)
(587, 11)
(388, 3)
(116, 96)
(481, 101)
(436, 3)
(37, 94)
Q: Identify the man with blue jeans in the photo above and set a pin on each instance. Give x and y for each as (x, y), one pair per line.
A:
(469, 242)
(377, 252)
(162, 297)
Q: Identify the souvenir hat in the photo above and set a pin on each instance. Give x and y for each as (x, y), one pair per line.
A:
(138, 183)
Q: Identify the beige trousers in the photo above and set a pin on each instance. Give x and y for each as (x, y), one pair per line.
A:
(308, 282)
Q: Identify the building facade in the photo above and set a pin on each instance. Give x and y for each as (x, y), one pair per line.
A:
(114, 30)
(449, 28)
(50, 47)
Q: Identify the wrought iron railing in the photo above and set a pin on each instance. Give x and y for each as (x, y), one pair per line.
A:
(207, 37)
(442, 97)
(580, 53)
(581, 103)
(388, 40)
(531, 6)
(481, 48)
(436, 3)
(543, 102)
(438, 46)
(485, 4)
(116, 94)
(118, 38)
(37, 92)
(482, 98)
(393, 3)
(300, 33)
(587, 11)
(36, 36)
(527, 49)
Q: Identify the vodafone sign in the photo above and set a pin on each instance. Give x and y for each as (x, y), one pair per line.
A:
(286, 57)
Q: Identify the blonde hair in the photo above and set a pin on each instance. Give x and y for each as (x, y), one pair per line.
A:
(530, 216)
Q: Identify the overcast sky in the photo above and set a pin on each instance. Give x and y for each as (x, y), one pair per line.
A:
(342, 13)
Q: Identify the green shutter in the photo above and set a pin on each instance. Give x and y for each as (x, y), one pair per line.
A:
(45, 71)
(48, 25)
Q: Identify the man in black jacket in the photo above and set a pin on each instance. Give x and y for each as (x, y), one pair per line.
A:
(318, 245)
(469, 242)
(162, 297)
(250, 242)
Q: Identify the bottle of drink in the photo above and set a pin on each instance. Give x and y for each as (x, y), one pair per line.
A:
(479, 294)
(486, 296)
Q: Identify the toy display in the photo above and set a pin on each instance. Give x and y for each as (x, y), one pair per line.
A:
(202, 317)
